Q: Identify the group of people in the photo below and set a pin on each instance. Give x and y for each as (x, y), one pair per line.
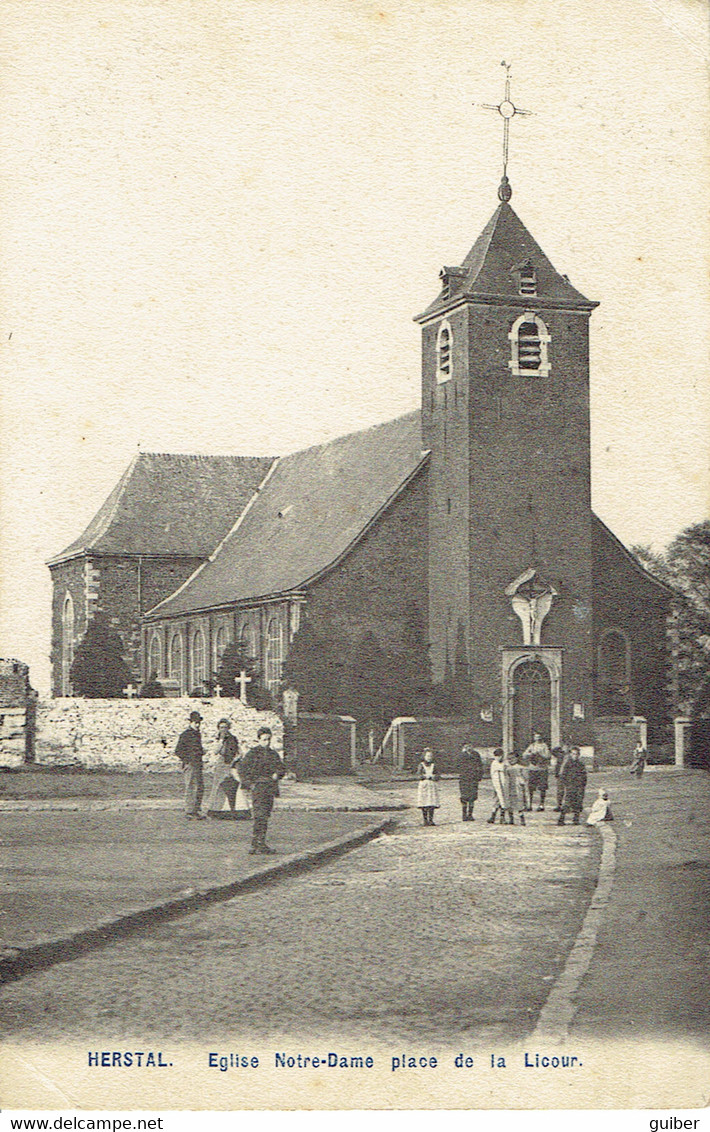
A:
(516, 780)
(248, 783)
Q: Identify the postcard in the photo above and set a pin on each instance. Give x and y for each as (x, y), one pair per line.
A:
(355, 721)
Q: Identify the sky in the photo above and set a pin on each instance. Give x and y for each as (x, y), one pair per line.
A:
(218, 218)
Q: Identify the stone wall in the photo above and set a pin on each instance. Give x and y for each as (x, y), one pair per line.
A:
(615, 741)
(17, 705)
(138, 734)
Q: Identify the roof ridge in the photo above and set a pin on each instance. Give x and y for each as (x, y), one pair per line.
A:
(486, 237)
(348, 435)
(203, 456)
(235, 526)
(629, 554)
(121, 486)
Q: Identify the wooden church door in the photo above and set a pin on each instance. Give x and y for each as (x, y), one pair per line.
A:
(532, 704)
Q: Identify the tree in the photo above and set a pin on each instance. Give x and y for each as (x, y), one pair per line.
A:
(453, 696)
(685, 567)
(367, 692)
(152, 689)
(314, 667)
(234, 661)
(99, 670)
(408, 682)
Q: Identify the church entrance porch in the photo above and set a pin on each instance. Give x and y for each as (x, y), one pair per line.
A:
(531, 703)
(531, 695)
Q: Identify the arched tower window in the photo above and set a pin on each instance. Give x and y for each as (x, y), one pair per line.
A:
(529, 341)
(155, 656)
(176, 659)
(67, 643)
(444, 347)
(198, 659)
(274, 654)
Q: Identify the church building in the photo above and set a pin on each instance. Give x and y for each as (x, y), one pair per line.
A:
(474, 511)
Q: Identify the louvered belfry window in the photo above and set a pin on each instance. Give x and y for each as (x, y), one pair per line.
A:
(529, 347)
(443, 353)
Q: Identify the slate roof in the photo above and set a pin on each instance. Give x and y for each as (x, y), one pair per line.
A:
(312, 507)
(503, 245)
(171, 505)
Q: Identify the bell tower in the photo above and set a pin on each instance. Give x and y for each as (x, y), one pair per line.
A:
(505, 415)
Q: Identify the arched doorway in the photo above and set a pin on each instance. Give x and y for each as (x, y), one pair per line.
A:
(532, 703)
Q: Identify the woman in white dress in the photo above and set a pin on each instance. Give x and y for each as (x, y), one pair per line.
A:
(428, 798)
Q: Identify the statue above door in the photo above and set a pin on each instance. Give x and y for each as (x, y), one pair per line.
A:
(531, 598)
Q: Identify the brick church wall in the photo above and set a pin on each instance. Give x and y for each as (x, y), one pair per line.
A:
(67, 578)
(121, 588)
(446, 432)
(626, 599)
(530, 497)
(371, 590)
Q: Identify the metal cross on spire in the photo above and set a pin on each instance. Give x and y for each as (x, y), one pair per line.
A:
(507, 110)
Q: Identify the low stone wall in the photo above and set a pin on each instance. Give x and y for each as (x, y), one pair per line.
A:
(615, 741)
(138, 734)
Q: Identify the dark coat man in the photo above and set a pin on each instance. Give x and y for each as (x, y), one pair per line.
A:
(260, 771)
(573, 776)
(190, 751)
(470, 774)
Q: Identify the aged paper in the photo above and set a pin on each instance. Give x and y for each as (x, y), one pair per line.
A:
(217, 223)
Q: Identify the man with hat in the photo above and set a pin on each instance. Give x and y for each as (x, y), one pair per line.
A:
(190, 751)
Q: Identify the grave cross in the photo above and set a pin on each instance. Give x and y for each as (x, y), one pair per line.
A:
(242, 680)
(130, 691)
(218, 690)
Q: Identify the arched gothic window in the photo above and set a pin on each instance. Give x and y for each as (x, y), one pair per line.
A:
(176, 659)
(198, 659)
(529, 341)
(67, 643)
(444, 347)
(155, 656)
(220, 644)
(274, 654)
(247, 640)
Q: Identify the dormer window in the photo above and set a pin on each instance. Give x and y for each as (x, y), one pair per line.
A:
(529, 342)
(451, 280)
(527, 278)
(444, 344)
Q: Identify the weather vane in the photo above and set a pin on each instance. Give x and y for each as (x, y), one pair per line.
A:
(507, 110)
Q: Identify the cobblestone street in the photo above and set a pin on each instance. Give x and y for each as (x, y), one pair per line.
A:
(437, 935)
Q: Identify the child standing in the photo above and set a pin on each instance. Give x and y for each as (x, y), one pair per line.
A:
(428, 798)
(639, 760)
(500, 789)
